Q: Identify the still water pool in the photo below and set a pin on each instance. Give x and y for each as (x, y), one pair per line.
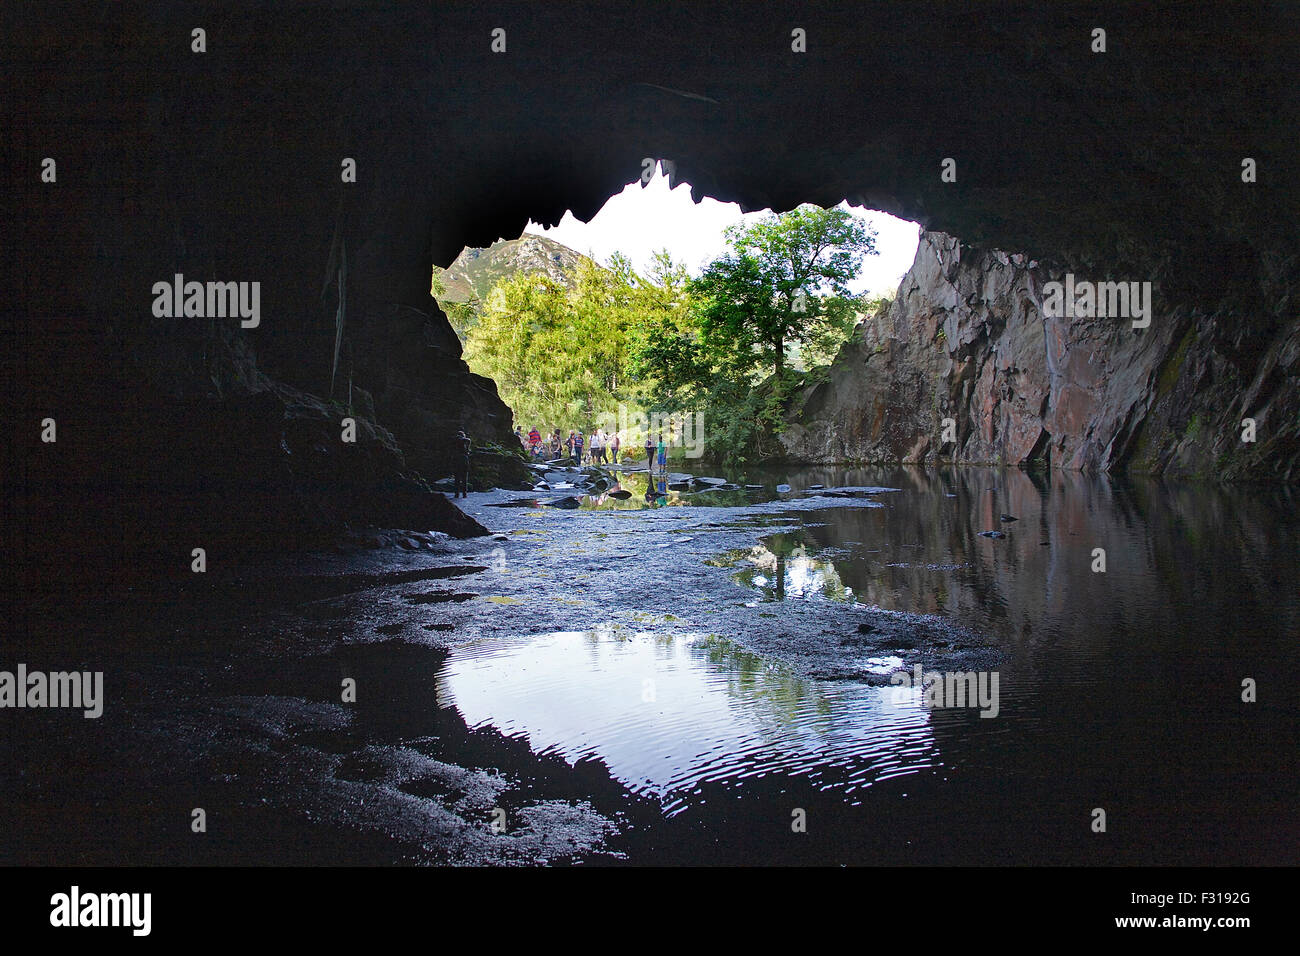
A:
(1121, 680)
(667, 714)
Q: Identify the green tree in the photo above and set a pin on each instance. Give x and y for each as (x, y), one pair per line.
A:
(562, 357)
(775, 305)
(668, 354)
(784, 282)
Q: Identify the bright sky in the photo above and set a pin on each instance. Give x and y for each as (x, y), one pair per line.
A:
(641, 220)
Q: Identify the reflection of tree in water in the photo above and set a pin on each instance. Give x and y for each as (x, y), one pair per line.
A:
(643, 493)
(1185, 557)
(764, 689)
(781, 567)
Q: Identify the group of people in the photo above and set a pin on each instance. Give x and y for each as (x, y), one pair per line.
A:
(597, 448)
(603, 449)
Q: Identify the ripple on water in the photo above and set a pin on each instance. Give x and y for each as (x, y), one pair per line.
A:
(668, 713)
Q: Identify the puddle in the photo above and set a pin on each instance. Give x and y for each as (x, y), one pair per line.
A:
(782, 570)
(668, 715)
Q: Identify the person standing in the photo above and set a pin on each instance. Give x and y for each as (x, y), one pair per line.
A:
(535, 441)
(649, 454)
(577, 447)
(613, 447)
(663, 455)
(462, 447)
(519, 437)
(598, 447)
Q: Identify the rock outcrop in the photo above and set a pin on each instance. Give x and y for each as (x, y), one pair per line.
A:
(967, 340)
(424, 392)
(206, 451)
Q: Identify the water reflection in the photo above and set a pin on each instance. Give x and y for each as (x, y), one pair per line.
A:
(638, 491)
(783, 568)
(1180, 558)
(669, 714)
(1118, 687)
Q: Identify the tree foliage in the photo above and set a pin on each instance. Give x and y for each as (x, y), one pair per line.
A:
(560, 356)
(732, 343)
(775, 305)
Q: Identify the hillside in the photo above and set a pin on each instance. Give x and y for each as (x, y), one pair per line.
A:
(475, 271)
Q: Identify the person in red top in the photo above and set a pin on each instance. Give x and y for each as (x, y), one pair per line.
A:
(535, 441)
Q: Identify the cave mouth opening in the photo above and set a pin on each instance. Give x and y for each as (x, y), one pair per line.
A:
(615, 326)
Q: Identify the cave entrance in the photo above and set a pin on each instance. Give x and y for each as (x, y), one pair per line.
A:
(668, 316)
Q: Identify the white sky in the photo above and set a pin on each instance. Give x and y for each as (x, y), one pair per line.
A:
(641, 220)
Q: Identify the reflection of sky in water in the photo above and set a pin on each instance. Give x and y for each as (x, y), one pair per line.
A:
(717, 713)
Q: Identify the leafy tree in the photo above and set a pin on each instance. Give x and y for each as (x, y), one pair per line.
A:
(668, 354)
(562, 357)
(770, 290)
(732, 342)
(775, 304)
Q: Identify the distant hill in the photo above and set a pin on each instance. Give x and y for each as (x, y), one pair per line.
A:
(476, 271)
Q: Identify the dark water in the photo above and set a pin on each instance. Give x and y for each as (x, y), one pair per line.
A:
(1118, 690)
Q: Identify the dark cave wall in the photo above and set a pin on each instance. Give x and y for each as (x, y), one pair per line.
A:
(228, 161)
(226, 165)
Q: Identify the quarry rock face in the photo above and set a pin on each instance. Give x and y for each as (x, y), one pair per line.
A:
(966, 365)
